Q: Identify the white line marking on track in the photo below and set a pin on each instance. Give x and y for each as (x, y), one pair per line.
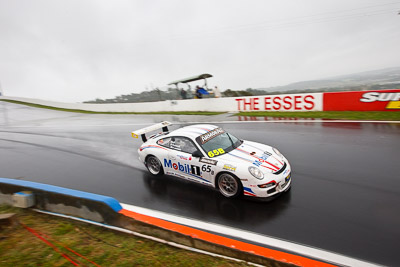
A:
(307, 251)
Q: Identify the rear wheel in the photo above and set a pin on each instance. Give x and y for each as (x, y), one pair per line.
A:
(154, 166)
(229, 185)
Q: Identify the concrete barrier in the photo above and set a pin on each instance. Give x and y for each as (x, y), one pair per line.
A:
(380, 100)
(288, 102)
(62, 200)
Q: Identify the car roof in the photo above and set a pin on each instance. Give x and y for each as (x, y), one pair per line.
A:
(193, 131)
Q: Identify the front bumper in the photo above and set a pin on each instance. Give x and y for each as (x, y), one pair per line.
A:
(282, 183)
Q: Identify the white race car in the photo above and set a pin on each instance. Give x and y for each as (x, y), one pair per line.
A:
(208, 155)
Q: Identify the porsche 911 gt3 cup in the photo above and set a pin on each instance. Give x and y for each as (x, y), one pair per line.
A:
(209, 155)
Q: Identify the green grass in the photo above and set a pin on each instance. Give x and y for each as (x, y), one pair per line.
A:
(123, 113)
(18, 247)
(340, 115)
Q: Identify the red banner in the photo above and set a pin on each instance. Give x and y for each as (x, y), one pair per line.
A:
(380, 100)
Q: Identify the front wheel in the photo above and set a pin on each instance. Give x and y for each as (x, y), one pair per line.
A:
(154, 166)
(229, 185)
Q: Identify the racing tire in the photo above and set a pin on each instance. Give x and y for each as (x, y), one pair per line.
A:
(154, 166)
(229, 185)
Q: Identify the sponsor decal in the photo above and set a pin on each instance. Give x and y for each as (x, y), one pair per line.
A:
(216, 152)
(257, 163)
(135, 135)
(244, 180)
(286, 171)
(229, 168)
(175, 146)
(186, 168)
(208, 161)
(265, 156)
(210, 135)
(263, 159)
(184, 157)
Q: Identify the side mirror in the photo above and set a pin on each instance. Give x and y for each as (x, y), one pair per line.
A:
(197, 154)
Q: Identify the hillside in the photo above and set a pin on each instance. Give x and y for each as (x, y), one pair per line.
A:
(377, 79)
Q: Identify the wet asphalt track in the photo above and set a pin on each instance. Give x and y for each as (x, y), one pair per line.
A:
(346, 176)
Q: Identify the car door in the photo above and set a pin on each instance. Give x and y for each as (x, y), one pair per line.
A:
(183, 163)
(171, 164)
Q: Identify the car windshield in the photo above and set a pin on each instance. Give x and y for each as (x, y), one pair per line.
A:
(218, 142)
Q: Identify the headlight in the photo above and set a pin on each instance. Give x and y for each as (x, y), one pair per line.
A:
(256, 172)
(277, 152)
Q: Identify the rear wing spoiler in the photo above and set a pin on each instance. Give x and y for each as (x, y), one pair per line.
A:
(142, 132)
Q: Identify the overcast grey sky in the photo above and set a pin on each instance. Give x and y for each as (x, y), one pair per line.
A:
(79, 50)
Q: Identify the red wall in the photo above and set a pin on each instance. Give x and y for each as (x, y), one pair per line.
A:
(380, 100)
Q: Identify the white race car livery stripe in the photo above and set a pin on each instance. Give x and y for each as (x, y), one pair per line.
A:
(196, 132)
(247, 191)
(231, 154)
(203, 128)
(152, 146)
(247, 144)
(276, 168)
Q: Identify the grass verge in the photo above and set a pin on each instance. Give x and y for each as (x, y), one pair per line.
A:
(19, 247)
(126, 113)
(340, 115)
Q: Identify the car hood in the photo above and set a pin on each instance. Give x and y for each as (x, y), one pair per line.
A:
(255, 154)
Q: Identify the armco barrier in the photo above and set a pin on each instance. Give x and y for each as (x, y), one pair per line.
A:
(381, 100)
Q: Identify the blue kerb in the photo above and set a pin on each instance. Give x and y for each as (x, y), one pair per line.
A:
(111, 202)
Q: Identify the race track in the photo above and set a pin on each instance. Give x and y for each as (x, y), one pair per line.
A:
(345, 196)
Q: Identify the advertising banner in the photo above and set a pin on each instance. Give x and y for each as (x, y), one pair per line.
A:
(292, 102)
(380, 100)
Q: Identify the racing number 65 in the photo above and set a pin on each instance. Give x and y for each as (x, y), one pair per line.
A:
(206, 168)
(216, 152)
